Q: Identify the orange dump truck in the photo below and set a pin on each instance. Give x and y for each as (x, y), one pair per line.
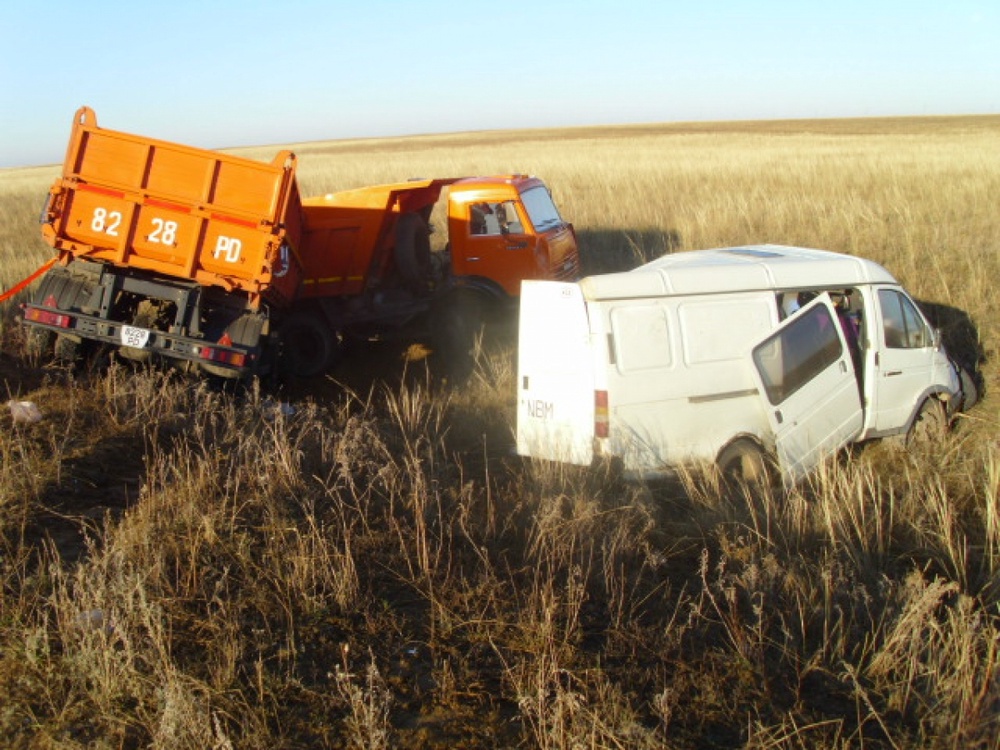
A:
(214, 261)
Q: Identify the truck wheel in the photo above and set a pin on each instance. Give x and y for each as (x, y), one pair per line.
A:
(412, 252)
(38, 343)
(744, 463)
(67, 350)
(929, 427)
(309, 345)
(457, 325)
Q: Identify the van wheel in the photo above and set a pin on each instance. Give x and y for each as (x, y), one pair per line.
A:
(309, 345)
(929, 427)
(744, 463)
(970, 391)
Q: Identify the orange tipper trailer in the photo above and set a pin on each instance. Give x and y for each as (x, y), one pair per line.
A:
(179, 211)
(211, 261)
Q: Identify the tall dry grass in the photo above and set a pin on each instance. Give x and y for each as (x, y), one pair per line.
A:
(182, 567)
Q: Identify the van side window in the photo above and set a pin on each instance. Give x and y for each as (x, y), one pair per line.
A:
(796, 354)
(903, 327)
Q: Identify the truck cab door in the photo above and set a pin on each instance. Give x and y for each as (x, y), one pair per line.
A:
(809, 390)
(496, 245)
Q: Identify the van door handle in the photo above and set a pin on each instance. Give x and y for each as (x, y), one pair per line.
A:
(472, 259)
(517, 245)
(894, 372)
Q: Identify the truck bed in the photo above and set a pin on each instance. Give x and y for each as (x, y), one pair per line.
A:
(178, 211)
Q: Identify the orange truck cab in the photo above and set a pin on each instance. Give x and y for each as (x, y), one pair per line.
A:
(500, 231)
(213, 261)
(507, 229)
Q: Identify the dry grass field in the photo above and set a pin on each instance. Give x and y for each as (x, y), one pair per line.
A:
(372, 567)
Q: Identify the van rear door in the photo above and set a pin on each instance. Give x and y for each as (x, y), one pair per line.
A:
(810, 393)
(555, 374)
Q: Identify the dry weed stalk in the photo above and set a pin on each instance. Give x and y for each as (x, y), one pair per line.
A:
(556, 607)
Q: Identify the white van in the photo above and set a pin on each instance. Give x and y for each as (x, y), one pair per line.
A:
(736, 356)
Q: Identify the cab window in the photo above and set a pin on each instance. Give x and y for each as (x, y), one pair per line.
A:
(541, 210)
(903, 326)
(488, 218)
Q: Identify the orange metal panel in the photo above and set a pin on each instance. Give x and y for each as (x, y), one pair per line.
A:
(178, 210)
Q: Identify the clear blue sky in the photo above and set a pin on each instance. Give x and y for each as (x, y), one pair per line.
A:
(239, 72)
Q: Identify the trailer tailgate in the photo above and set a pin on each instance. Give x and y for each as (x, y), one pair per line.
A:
(184, 212)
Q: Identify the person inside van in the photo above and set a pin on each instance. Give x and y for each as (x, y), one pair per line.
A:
(850, 323)
(789, 304)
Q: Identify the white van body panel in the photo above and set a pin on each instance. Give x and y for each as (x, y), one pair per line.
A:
(671, 348)
(677, 387)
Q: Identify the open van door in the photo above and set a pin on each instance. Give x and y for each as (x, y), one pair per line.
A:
(810, 393)
(555, 374)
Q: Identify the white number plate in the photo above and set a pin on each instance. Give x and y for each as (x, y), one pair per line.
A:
(134, 337)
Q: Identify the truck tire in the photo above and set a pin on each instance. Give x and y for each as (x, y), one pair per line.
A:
(458, 322)
(38, 344)
(308, 345)
(68, 350)
(744, 463)
(412, 252)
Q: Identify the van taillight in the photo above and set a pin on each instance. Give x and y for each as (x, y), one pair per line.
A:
(600, 414)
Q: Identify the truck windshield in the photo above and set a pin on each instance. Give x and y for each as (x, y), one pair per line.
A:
(541, 210)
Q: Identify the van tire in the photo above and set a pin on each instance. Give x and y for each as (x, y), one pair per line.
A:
(929, 426)
(745, 463)
(970, 390)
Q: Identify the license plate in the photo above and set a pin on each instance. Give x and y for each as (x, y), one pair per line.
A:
(137, 338)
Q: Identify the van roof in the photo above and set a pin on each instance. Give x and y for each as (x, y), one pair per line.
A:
(733, 269)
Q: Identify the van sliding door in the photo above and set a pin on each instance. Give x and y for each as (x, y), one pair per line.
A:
(807, 382)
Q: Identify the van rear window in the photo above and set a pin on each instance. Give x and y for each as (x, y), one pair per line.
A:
(797, 353)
